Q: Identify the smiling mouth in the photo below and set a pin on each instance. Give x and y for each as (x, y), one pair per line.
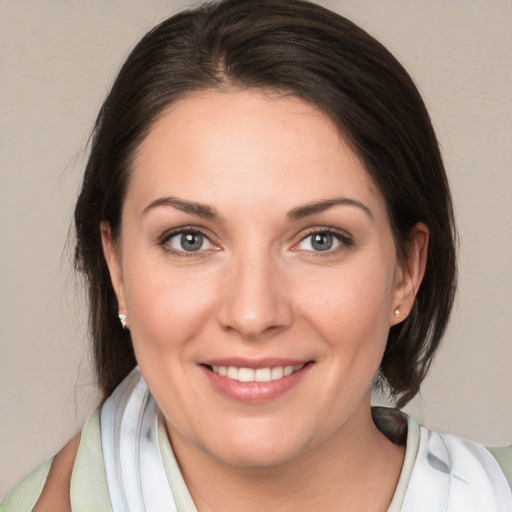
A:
(266, 374)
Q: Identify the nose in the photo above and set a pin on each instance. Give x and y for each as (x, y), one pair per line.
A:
(254, 302)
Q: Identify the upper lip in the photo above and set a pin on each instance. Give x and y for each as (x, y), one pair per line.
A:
(267, 362)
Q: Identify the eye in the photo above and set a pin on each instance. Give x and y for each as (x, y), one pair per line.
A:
(323, 241)
(188, 241)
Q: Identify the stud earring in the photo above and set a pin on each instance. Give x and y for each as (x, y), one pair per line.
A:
(122, 319)
(397, 311)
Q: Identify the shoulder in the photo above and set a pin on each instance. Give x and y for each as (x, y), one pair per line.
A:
(448, 472)
(24, 496)
(46, 488)
(56, 491)
(464, 473)
(66, 480)
(503, 456)
(471, 458)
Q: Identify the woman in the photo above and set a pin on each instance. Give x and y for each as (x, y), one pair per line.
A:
(266, 229)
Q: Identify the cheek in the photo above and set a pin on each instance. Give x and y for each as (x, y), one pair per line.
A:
(351, 300)
(351, 316)
(165, 305)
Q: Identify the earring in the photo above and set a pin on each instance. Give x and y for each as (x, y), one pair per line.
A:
(122, 319)
(397, 311)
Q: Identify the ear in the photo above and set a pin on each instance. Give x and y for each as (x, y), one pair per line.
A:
(410, 274)
(112, 257)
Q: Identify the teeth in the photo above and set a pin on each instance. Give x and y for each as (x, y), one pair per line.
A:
(232, 372)
(263, 375)
(258, 375)
(277, 373)
(246, 374)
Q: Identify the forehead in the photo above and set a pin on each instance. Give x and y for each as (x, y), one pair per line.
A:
(214, 146)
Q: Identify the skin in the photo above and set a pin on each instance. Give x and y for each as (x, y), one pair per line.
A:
(258, 288)
(55, 496)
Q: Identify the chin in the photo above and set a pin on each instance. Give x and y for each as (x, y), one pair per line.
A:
(260, 447)
(255, 456)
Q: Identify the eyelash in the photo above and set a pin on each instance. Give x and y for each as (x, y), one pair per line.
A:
(163, 241)
(342, 237)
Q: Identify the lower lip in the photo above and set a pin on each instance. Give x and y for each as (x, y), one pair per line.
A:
(255, 392)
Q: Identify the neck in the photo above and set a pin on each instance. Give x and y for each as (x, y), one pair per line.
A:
(357, 468)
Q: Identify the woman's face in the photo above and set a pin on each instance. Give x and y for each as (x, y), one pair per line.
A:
(259, 275)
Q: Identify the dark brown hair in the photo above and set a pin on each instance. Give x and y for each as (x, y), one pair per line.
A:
(307, 51)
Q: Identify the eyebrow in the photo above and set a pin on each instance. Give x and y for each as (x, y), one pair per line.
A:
(191, 207)
(320, 206)
(208, 212)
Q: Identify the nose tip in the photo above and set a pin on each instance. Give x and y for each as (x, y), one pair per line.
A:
(254, 303)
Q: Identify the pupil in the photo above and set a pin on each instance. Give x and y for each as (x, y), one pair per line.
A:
(191, 241)
(322, 241)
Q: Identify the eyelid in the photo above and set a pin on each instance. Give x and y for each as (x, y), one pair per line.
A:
(163, 239)
(341, 235)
